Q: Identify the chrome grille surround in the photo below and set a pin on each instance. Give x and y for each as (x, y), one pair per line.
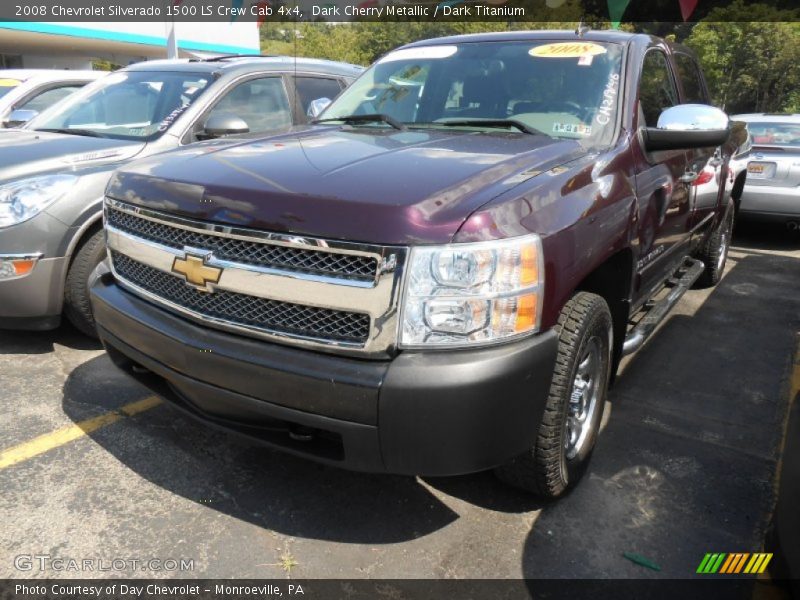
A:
(353, 266)
(337, 306)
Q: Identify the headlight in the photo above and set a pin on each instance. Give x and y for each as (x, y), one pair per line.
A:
(24, 199)
(471, 294)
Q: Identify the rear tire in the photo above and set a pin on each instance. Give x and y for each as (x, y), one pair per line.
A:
(714, 251)
(77, 307)
(574, 409)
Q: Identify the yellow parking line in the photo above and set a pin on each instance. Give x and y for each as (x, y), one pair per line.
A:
(59, 437)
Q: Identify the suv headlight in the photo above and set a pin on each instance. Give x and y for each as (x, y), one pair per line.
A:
(469, 294)
(24, 199)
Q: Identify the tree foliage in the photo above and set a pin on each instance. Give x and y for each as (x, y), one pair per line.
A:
(750, 66)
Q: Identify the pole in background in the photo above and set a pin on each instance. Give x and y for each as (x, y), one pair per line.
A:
(172, 39)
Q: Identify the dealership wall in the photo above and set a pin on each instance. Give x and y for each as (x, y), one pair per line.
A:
(76, 45)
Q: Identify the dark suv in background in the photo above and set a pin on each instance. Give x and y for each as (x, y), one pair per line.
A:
(53, 173)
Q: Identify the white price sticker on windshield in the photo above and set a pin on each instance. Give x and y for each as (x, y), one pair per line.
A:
(421, 53)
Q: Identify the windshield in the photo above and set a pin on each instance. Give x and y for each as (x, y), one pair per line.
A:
(779, 134)
(6, 85)
(127, 106)
(561, 89)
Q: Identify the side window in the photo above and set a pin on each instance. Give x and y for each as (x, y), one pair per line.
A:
(656, 89)
(261, 103)
(49, 97)
(311, 88)
(691, 80)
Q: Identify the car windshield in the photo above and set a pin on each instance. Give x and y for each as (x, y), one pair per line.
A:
(561, 89)
(134, 105)
(6, 85)
(777, 134)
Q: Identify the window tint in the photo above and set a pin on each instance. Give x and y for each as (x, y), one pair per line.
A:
(690, 80)
(780, 134)
(261, 103)
(563, 89)
(49, 97)
(135, 105)
(311, 88)
(657, 89)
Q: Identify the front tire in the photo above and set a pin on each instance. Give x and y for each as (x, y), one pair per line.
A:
(77, 307)
(574, 410)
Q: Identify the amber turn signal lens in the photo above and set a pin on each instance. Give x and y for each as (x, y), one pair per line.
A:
(530, 265)
(526, 313)
(23, 267)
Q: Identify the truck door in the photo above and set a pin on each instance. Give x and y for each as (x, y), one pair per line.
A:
(706, 163)
(663, 183)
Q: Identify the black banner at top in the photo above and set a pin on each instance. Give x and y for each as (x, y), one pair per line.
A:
(261, 11)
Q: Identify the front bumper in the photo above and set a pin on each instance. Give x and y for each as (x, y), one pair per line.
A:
(34, 301)
(770, 202)
(421, 413)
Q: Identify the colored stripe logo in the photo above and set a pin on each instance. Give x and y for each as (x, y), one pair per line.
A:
(734, 563)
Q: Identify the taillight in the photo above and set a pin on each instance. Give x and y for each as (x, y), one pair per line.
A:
(705, 176)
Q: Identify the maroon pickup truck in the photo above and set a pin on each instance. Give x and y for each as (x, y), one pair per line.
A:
(442, 272)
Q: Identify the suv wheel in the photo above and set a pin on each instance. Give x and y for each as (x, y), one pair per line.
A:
(575, 404)
(77, 307)
(714, 251)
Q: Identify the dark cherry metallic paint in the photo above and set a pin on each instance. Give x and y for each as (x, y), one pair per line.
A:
(432, 187)
(592, 207)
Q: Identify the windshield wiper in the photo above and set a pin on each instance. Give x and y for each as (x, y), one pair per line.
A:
(86, 132)
(491, 123)
(372, 118)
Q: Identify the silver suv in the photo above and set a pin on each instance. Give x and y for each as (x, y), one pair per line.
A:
(54, 171)
(772, 189)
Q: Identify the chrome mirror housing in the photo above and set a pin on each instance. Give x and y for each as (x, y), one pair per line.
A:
(688, 126)
(19, 117)
(317, 106)
(693, 117)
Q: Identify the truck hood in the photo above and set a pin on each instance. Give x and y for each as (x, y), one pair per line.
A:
(387, 187)
(25, 153)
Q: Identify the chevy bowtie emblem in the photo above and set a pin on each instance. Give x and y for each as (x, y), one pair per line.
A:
(196, 272)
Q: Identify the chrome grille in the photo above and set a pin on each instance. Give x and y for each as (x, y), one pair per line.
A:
(242, 309)
(247, 252)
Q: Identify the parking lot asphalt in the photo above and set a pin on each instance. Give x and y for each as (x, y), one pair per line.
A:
(686, 465)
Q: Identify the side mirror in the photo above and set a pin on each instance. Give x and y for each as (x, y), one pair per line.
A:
(222, 124)
(317, 106)
(688, 126)
(19, 117)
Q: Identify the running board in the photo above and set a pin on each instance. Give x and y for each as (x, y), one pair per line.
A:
(689, 272)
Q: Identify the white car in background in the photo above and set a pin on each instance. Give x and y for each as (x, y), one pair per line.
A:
(772, 189)
(30, 91)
